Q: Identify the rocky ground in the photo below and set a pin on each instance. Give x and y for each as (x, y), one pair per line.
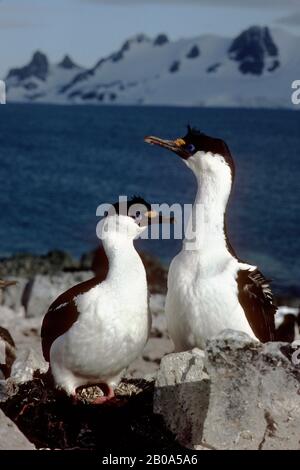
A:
(38, 416)
(237, 394)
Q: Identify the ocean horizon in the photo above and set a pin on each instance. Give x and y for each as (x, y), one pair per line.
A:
(59, 162)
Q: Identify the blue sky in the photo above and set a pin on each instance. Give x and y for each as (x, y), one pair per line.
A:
(90, 29)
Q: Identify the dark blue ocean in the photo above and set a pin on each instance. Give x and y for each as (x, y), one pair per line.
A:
(59, 163)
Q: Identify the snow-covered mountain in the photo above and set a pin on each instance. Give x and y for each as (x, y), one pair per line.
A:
(254, 69)
(40, 81)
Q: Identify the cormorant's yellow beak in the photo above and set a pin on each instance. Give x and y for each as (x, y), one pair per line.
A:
(177, 146)
(153, 217)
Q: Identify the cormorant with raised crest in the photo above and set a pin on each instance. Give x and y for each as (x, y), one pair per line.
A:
(209, 288)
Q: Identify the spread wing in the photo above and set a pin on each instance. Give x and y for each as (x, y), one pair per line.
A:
(62, 314)
(256, 299)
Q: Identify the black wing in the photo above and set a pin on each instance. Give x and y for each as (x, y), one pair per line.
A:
(62, 314)
(56, 322)
(256, 299)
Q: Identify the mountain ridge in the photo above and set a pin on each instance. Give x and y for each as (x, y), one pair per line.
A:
(254, 69)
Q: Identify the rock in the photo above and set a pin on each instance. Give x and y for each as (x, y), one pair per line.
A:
(159, 326)
(214, 67)
(26, 330)
(157, 304)
(251, 400)
(175, 66)
(8, 388)
(38, 67)
(45, 289)
(57, 260)
(156, 348)
(86, 260)
(157, 273)
(11, 437)
(7, 353)
(141, 369)
(158, 344)
(292, 301)
(157, 308)
(193, 52)
(27, 265)
(161, 40)
(147, 365)
(259, 386)
(26, 363)
(181, 394)
(253, 49)
(3, 393)
(288, 329)
(67, 63)
(12, 297)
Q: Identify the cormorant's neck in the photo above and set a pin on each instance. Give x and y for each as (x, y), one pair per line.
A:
(123, 259)
(208, 213)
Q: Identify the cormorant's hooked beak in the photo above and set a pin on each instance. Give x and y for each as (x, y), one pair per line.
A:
(153, 217)
(177, 146)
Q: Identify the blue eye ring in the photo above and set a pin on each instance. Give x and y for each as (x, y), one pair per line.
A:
(138, 216)
(191, 148)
